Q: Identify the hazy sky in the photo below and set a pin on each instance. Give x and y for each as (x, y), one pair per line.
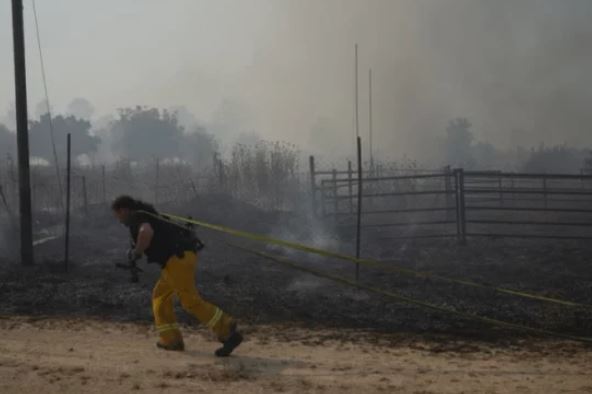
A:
(520, 70)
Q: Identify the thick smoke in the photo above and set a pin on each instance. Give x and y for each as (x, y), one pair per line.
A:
(519, 70)
(283, 69)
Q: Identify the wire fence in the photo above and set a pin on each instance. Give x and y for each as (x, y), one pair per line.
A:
(156, 181)
(458, 203)
(398, 202)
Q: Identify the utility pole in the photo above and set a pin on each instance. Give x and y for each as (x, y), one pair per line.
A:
(357, 115)
(359, 211)
(68, 185)
(370, 119)
(20, 82)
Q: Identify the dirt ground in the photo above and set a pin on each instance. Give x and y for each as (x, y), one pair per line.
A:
(49, 355)
(90, 330)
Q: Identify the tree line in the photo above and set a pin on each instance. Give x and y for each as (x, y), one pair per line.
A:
(135, 134)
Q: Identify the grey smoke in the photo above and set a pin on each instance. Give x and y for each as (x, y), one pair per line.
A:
(283, 69)
(519, 70)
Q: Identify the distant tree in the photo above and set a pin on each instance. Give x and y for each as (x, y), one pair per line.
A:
(81, 108)
(40, 137)
(485, 156)
(198, 147)
(185, 117)
(555, 159)
(459, 143)
(142, 133)
(41, 109)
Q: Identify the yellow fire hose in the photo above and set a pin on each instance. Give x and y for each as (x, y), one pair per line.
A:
(382, 266)
(372, 263)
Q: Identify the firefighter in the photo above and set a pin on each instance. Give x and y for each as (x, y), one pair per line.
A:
(174, 247)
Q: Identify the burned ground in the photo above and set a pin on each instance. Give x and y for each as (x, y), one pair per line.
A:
(261, 292)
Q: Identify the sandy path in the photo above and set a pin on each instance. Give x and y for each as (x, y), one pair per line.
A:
(75, 356)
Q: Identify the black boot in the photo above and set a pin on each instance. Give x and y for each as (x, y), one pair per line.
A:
(178, 346)
(234, 339)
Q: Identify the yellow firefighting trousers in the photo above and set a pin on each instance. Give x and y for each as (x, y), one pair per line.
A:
(178, 278)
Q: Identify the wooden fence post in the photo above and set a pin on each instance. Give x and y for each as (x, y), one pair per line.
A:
(13, 179)
(194, 189)
(313, 185)
(67, 235)
(350, 191)
(221, 179)
(334, 193)
(104, 184)
(7, 207)
(545, 191)
(448, 189)
(84, 196)
(460, 206)
(322, 190)
(463, 207)
(500, 185)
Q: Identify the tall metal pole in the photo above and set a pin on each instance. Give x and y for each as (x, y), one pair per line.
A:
(370, 119)
(68, 176)
(359, 213)
(20, 82)
(359, 151)
(356, 98)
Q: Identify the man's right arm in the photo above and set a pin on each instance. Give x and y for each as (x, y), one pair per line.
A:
(145, 235)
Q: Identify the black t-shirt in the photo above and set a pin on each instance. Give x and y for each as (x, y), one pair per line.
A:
(169, 239)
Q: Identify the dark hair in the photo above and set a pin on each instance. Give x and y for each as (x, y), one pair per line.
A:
(127, 202)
